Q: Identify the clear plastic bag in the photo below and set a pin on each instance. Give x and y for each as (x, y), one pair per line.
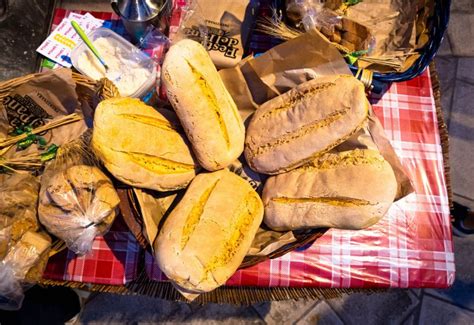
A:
(18, 199)
(351, 36)
(21, 248)
(77, 200)
(156, 43)
(192, 24)
(18, 266)
(312, 15)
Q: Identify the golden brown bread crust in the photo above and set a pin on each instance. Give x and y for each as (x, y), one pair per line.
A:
(347, 190)
(141, 146)
(207, 235)
(290, 130)
(204, 106)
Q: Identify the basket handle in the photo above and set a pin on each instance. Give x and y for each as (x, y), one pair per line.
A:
(367, 78)
(106, 89)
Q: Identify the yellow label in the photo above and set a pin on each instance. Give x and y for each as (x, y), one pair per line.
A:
(64, 40)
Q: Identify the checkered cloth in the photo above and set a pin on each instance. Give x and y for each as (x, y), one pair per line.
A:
(410, 247)
(113, 260)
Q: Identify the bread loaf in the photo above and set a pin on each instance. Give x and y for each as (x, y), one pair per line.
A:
(290, 130)
(141, 146)
(348, 190)
(207, 235)
(204, 106)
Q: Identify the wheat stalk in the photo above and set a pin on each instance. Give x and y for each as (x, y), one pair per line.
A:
(77, 151)
(277, 28)
(51, 125)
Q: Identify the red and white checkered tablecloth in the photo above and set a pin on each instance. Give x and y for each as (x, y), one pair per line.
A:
(112, 261)
(410, 247)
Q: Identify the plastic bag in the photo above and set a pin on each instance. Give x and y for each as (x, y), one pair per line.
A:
(192, 25)
(312, 15)
(156, 44)
(17, 266)
(18, 199)
(353, 38)
(77, 201)
(21, 248)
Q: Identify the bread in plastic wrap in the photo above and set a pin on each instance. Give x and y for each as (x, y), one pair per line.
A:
(77, 204)
(18, 200)
(29, 252)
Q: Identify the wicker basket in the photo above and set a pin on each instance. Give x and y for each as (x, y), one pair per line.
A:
(86, 88)
(436, 24)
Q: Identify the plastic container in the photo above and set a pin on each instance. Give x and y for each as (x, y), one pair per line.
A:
(131, 55)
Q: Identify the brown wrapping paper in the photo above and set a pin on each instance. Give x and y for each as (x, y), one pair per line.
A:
(221, 26)
(154, 206)
(40, 100)
(292, 63)
(256, 80)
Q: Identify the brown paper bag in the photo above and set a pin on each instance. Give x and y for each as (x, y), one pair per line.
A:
(256, 80)
(221, 26)
(39, 101)
(154, 206)
(283, 67)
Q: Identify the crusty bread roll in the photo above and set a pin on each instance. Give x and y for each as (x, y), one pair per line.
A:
(207, 235)
(290, 130)
(348, 190)
(204, 106)
(141, 146)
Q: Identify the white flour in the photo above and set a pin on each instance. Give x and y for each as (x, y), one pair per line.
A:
(124, 71)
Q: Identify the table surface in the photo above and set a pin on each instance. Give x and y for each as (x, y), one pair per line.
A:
(410, 247)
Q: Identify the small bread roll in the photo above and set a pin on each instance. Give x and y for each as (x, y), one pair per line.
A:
(290, 130)
(83, 206)
(207, 235)
(204, 106)
(141, 146)
(348, 190)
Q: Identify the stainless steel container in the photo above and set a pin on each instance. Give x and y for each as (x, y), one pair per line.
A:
(138, 15)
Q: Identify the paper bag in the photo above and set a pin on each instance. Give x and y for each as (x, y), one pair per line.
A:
(222, 27)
